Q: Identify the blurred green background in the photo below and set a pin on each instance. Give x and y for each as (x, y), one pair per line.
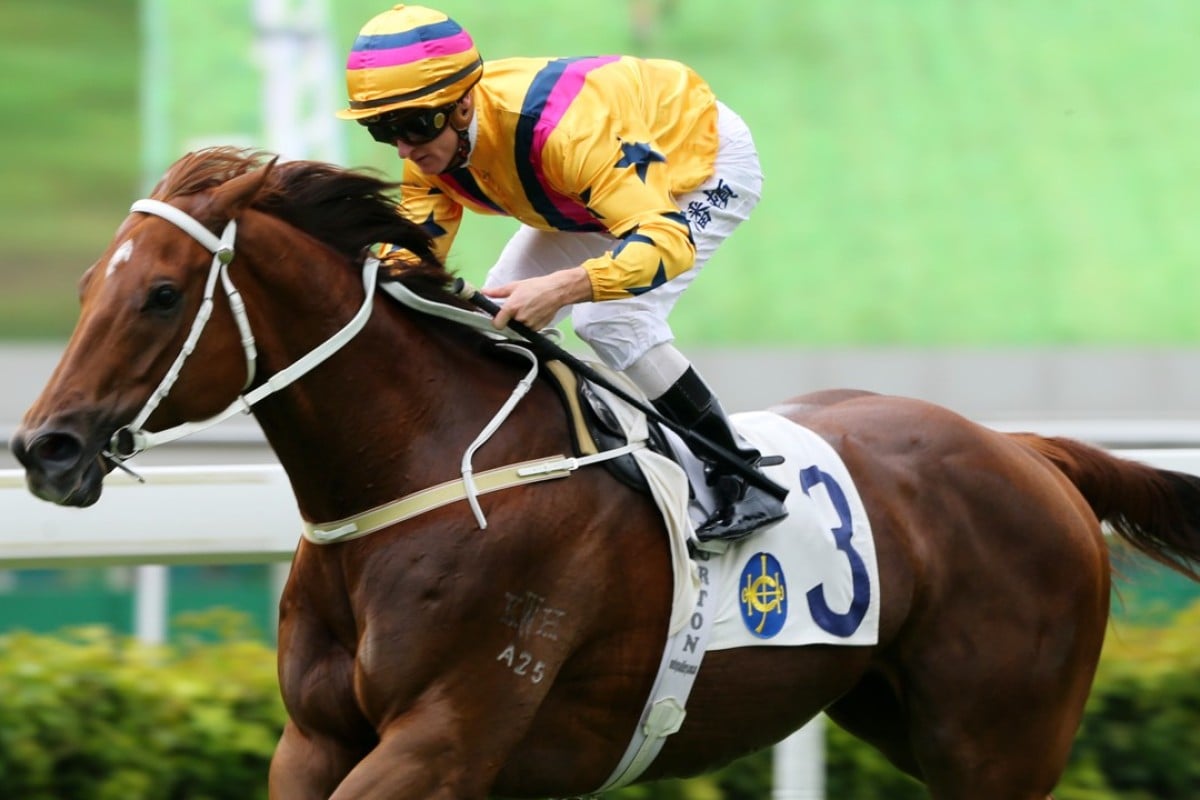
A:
(938, 172)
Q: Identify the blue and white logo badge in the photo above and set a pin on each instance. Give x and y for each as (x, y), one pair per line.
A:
(764, 596)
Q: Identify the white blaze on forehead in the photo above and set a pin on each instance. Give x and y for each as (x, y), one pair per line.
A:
(123, 254)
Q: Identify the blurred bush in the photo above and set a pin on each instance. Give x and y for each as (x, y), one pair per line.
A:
(90, 715)
(1143, 719)
(94, 716)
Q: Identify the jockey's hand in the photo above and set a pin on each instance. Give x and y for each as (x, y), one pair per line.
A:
(535, 301)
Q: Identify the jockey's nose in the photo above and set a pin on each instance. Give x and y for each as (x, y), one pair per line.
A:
(404, 148)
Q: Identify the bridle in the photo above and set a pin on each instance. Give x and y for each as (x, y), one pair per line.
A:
(131, 439)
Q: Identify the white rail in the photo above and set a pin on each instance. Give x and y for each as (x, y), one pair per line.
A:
(182, 515)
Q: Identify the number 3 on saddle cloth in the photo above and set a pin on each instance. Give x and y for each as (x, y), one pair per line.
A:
(812, 578)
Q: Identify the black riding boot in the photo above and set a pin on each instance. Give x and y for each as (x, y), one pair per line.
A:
(741, 507)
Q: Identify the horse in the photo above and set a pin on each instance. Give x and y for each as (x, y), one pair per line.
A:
(436, 659)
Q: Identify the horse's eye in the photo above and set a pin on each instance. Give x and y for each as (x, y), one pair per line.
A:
(163, 297)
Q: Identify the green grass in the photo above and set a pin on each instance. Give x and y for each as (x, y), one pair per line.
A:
(68, 152)
(937, 172)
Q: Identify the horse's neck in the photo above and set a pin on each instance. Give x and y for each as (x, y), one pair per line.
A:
(389, 414)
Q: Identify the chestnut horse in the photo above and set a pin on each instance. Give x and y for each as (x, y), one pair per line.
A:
(993, 570)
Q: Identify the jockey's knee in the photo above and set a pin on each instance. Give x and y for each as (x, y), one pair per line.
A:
(620, 342)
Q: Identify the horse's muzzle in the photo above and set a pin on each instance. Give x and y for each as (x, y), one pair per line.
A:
(56, 468)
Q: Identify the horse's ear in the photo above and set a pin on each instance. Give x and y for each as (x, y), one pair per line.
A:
(236, 194)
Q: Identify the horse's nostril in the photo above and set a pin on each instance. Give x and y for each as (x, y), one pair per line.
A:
(17, 446)
(56, 449)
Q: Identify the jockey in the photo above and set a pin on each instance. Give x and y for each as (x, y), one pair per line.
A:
(625, 173)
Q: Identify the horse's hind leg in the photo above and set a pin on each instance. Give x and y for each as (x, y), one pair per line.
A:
(993, 705)
(873, 713)
(969, 751)
(981, 693)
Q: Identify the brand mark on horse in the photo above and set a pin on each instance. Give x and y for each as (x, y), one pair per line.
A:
(523, 664)
(527, 613)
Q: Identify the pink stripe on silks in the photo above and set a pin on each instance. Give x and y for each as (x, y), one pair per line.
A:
(394, 57)
(561, 96)
(476, 197)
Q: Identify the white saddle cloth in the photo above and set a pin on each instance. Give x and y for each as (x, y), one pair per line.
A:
(812, 578)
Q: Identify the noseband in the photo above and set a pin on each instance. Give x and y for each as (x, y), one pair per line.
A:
(133, 438)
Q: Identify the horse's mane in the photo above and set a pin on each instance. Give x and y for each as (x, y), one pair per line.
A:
(348, 210)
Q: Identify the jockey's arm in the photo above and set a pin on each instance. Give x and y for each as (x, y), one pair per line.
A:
(626, 186)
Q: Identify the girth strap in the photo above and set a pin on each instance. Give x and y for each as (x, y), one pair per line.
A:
(492, 480)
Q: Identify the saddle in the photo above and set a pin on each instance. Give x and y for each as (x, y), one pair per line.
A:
(594, 427)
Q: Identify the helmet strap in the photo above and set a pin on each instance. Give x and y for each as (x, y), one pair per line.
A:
(463, 149)
(461, 152)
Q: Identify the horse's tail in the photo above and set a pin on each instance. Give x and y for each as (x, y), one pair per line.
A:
(1155, 510)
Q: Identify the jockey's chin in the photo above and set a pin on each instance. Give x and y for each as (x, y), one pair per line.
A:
(429, 164)
(431, 157)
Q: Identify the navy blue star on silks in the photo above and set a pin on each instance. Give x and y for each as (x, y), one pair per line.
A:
(640, 156)
(432, 228)
(633, 237)
(660, 277)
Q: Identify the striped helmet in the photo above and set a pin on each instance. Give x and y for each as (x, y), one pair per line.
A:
(409, 57)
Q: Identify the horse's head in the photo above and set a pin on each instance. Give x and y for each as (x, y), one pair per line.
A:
(138, 305)
(163, 336)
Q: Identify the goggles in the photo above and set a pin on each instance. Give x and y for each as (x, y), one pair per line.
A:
(413, 127)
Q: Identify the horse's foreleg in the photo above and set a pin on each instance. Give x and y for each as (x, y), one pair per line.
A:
(306, 767)
(416, 761)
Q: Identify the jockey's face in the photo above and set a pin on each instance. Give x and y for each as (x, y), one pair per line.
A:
(434, 156)
(430, 139)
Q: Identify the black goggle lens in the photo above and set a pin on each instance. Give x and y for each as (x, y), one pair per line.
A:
(410, 127)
